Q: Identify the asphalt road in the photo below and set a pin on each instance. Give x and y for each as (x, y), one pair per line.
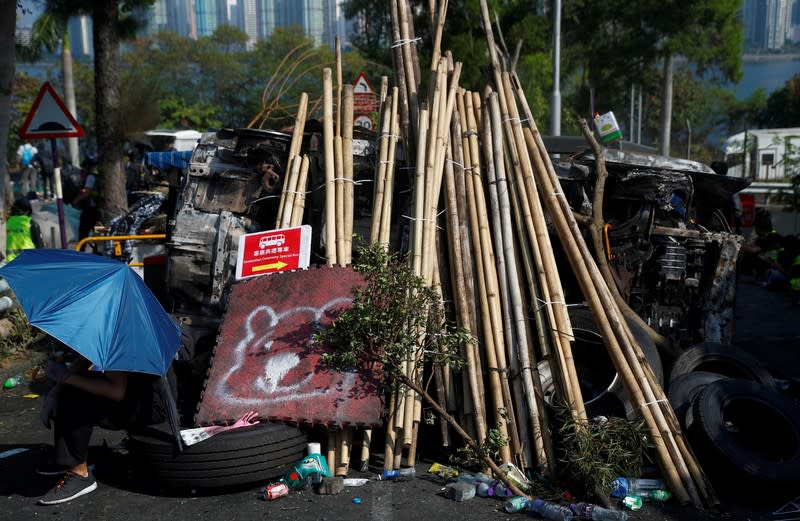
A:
(766, 324)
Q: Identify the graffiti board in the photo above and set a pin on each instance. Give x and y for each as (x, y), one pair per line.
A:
(265, 359)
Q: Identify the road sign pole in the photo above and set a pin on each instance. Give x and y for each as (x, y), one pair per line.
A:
(62, 222)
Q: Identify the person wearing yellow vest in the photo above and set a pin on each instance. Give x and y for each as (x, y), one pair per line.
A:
(22, 232)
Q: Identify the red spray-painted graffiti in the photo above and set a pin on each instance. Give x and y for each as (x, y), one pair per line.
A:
(265, 359)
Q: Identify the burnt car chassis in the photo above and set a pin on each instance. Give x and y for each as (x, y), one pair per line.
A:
(666, 238)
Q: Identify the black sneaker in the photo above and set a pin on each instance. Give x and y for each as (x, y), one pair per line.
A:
(71, 486)
(54, 469)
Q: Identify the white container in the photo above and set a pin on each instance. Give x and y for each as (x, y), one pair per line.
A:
(314, 448)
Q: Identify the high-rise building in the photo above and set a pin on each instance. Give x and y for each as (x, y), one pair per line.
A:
(322, 20)
(767, 23)
(208, 15)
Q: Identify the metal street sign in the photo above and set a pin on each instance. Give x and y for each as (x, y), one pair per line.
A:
(276, 250)
(49, 118)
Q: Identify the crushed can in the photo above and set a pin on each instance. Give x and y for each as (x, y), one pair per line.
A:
(274, 491)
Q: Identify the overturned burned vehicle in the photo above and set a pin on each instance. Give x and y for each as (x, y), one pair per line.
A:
(666, 237)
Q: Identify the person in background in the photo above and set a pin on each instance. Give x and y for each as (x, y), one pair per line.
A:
(760, 254)
(44, 162)
(26, 154)
(87, 199)
(22, 232)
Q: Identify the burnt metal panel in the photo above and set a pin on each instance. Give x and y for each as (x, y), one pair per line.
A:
(265, 360)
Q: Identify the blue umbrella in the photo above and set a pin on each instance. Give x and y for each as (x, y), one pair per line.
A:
(96, 305)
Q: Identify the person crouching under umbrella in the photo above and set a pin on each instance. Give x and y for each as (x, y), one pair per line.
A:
(81, 399)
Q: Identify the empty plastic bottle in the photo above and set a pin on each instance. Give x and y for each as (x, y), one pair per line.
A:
(621, 487)
(478, 477)
(550, 511)
(597, 513)
(408, 472)
(13, 382)
(501, 491)
(656, 495)
(484, 489)
(516, 504)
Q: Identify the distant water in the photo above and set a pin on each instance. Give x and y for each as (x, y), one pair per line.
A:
(768, 75)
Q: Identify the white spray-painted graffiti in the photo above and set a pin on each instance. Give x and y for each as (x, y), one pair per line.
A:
(280, 381)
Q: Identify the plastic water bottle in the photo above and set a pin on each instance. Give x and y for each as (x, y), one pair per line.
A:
(476, 478)
(484, 489)
(550, 510)
(621, 487)
(515, 504)
(597, 513)
(656, 495)
(408, 472)
(501, 491)
(13, 382)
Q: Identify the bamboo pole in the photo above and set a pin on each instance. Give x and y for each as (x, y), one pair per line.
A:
(345, 442)
(338, 57)
(460, 263)
(388, 193)
(330, 188)
(380, 174)
(339, 185)
(347, 173)
(300, 197)
(402, 84)
(289, 193)
(391, 433)
(330, 448)
(509, 287)
(294, 147)
(482, 248)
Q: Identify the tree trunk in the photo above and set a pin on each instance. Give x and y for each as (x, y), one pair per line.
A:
(666, 106)
(105, 17)
(69, 94)
(8, 21)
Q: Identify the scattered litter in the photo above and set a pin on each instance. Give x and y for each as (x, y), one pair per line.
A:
(31, 395)
(459, 491)
(443, 471)
(12, 452)
(355, 482)
(330, 486)
(357, 500)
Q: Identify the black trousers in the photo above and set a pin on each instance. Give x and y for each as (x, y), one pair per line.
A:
(77, 413)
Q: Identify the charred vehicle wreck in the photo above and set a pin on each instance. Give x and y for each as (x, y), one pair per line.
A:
(666, 238)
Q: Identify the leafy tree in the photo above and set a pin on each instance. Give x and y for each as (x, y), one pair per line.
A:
(110, 21)
(50, 33)
(373, 28)
(783, 106)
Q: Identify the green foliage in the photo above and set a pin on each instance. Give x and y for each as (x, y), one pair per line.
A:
(592, 454)
(395, 319)
(467, 457)
(783, 106)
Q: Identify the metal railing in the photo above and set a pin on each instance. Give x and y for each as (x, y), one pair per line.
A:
(117, 239)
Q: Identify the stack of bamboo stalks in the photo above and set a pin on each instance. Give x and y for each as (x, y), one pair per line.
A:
(483, 190)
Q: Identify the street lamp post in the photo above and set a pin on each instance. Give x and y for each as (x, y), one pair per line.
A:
(555, 104)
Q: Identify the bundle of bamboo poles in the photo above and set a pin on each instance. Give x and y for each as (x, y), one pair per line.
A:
(473, 157)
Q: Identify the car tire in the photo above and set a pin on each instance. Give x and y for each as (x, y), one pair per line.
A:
(722, 359)
(747, 436)
(685, 388)
(237, 457)
(602, 389)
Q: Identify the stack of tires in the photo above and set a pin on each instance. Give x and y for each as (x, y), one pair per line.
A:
(744, 431)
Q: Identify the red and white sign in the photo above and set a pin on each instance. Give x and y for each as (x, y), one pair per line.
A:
(49, 117)
(364, 100)
(276, 250)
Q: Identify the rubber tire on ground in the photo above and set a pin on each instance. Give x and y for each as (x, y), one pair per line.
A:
(685, 388)
(237, 457)
(726, 360)
(748, 435)
(612, 401)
